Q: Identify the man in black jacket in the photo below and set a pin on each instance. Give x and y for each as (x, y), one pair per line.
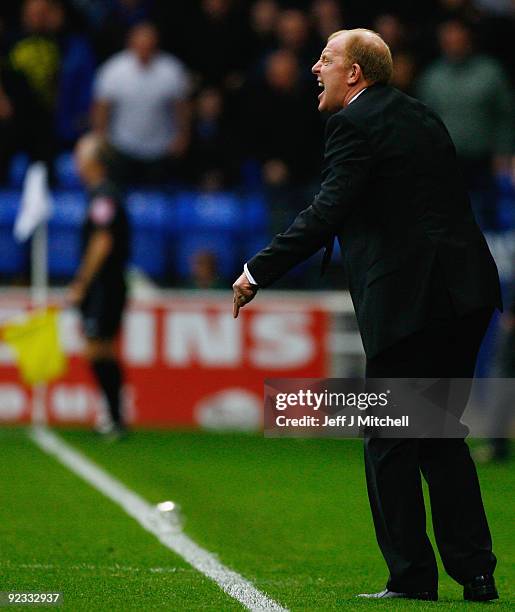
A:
(424, 286)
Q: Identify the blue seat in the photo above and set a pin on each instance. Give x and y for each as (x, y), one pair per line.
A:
(207, 211)
(218, 243)
(17, 169)
(149, 215)
(65, 171)
(13, 255)
(65, 233)
(254, 216)
(206, 222)
(252, 245)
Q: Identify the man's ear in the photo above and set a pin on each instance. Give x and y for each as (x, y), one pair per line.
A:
(355, 74)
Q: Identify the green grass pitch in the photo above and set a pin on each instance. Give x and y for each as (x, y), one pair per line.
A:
(290, 515)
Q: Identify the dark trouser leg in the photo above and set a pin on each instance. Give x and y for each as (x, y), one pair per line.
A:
(109, 376)
(395, 493)
(448, 349)
(459, 520)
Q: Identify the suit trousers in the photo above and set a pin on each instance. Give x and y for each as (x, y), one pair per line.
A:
(447, 348)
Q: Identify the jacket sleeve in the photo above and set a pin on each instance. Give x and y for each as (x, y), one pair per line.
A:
(347, 166)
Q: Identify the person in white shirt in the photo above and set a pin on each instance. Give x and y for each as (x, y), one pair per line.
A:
(141, 108)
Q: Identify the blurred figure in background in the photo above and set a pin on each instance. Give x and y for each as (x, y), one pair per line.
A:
(392, 31)
(473, 96)
(17, 126)
(262, 19)
(58, 66)
(404, 70)
(211, 165)
(34, 52)
(401, 41)
(293, 31)
(289, 156)
(497, 19)
(204, 271)
(98, 288)
(141, 107)
(222, 56)
(327, 17)
(75, 78)
(494, 25)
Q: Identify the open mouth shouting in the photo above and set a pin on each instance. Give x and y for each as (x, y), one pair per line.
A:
(321, 84)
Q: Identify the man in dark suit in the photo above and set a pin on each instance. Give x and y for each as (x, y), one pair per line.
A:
(424, 286)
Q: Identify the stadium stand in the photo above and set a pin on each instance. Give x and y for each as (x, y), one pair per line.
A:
(14, 256)
(226, 151)
(64, 233)
(17, 169)
(150, 215)
(208, 222)
(65, 174)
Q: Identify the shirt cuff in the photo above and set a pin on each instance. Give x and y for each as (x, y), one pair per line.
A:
(249, 275)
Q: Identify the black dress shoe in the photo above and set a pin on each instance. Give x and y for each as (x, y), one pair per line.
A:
(480, 588)
(387, 594)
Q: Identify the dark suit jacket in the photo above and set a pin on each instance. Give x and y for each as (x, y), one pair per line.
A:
(392, 194)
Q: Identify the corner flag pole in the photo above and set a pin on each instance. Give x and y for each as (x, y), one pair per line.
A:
(39, 266)
(39, 298)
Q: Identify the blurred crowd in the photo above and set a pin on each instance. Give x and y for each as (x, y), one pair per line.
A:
(217, 93)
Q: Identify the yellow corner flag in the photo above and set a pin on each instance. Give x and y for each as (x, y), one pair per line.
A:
(35, 341)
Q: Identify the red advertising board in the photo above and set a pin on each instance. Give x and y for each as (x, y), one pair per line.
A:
(187, 361)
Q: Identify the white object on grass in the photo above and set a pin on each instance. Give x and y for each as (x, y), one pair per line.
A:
(145, 514)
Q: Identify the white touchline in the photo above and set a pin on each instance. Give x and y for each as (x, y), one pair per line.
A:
(146, 515)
